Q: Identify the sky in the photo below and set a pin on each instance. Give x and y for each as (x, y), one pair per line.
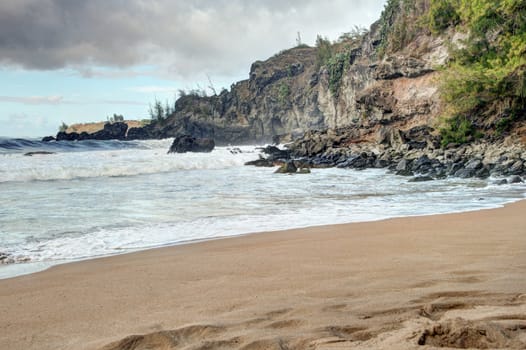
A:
(78, 61)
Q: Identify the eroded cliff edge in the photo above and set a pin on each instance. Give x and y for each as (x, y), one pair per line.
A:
(291, 93)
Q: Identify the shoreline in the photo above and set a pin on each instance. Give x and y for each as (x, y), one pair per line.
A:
(380, 284)
(43, 266)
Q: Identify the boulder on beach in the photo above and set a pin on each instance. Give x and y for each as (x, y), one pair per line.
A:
(187, 143)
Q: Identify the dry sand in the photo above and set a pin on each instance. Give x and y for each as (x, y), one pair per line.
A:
(447, 280)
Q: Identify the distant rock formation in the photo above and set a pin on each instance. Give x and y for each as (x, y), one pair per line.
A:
(111, 131)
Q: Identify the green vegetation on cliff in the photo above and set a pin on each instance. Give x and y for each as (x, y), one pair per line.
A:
(485, 79)
(483, 84)
(336, 56)
(401, 21)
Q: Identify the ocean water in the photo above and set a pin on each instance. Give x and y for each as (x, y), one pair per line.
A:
(98, 198)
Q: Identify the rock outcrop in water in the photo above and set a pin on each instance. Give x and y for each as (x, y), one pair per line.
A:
(186, 143)
(110, 131)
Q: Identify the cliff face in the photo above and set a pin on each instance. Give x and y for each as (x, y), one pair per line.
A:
(280, 97)
(379, 87)
(291, 93)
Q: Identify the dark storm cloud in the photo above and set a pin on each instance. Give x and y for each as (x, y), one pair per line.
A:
(182, 38)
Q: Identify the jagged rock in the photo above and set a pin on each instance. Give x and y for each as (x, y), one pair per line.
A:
(516, 168)
(403, 166)
(275, 153)
(381, 163)
(64, 136)
(483, 173)
(474, 164)
(287, 168)
(111, 131)
(465, 173)
(420, 137)
(423, 164)
(356, 162)
(515, 179)
(261, 162)
(404, 173)
(186, 143)
(143, 133)
(454, 167)
(48, 139)
(397, 67)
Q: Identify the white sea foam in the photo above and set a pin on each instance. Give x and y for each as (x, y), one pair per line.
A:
(104, 202)
(151, 158)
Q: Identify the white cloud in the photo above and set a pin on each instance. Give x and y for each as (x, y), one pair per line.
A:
(180, 38)
(34, 100)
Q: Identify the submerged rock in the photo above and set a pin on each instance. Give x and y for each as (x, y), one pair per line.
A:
(29, 154)
(515, 179)
(421, 179)
(6, 259)
(261, 162)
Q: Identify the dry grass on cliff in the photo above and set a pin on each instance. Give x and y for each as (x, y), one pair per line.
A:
(91, 128)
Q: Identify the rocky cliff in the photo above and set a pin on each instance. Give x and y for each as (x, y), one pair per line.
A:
(381, 86)
(290, 93)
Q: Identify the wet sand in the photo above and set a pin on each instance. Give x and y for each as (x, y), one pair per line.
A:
(455, 280)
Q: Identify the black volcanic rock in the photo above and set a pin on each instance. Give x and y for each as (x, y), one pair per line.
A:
(186, 143)
(48, 139)
(65, 136)
(111, 131)
(142, 133)
(287, 168)
(274, 153)
(261, 162)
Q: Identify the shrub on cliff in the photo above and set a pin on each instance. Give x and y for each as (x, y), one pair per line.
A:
(400, 22)
(337, 65)
(336, 56)
(63, 127)
(485, 79)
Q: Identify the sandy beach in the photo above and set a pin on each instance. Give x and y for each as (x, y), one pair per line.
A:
(456, 280)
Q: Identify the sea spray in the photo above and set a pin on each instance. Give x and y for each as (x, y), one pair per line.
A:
(104, 198)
